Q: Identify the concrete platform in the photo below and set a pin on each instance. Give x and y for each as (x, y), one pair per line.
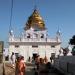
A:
(9, 70)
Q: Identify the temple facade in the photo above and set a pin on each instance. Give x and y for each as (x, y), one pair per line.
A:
(34, 40)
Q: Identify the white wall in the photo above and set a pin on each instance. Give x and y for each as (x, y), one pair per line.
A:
(27, 50)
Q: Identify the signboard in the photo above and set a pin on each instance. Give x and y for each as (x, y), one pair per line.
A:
(1, 46)
(1, 51)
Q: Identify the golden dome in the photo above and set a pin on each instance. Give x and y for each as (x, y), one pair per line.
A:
(35, 21)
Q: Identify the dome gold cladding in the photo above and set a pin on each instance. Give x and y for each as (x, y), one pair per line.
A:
(35, 20)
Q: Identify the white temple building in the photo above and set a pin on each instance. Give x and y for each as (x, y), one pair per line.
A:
(34, 40)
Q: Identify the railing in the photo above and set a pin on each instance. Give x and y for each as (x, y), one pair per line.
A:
(65, 67)
(33, 40)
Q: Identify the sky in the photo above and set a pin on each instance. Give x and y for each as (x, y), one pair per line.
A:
(55, 13)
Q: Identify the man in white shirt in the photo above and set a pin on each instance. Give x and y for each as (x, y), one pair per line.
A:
(13, 59)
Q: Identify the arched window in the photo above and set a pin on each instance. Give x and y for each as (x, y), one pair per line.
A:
(42, 35)
(28, 36)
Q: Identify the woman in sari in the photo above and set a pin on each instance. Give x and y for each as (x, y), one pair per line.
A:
(20, 66)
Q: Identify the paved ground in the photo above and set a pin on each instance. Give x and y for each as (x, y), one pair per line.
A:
(29, 70)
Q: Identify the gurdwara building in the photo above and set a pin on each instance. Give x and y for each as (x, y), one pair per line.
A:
(34, 40)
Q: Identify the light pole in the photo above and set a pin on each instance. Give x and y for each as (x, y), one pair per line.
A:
(45, 51)
(3, 63)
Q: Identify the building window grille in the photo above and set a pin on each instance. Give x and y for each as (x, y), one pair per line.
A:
(52, 55)
(34, 46)
(28, 35)
(16, 46)
(42, 35)
(52, 46)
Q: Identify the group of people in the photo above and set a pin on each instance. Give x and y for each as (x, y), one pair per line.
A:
(42, 66)
(19, 64)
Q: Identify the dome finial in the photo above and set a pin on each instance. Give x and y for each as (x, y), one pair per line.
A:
(35, 4)
(35, 7)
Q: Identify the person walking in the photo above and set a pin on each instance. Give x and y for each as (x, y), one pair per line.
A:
(13, 59)
(17, 72)
(21, 66)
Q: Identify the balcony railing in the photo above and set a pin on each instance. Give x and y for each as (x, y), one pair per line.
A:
(34, 40)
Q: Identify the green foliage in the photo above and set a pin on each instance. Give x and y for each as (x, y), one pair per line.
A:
(72, 42)
(73, 51)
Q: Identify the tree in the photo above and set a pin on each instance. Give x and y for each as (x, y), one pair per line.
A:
(72, 42)
(73, 51)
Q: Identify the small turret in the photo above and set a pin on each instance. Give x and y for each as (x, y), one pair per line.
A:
(11, 35)
(58, 35)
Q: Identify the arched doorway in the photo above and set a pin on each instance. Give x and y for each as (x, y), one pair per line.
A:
(35, 54)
